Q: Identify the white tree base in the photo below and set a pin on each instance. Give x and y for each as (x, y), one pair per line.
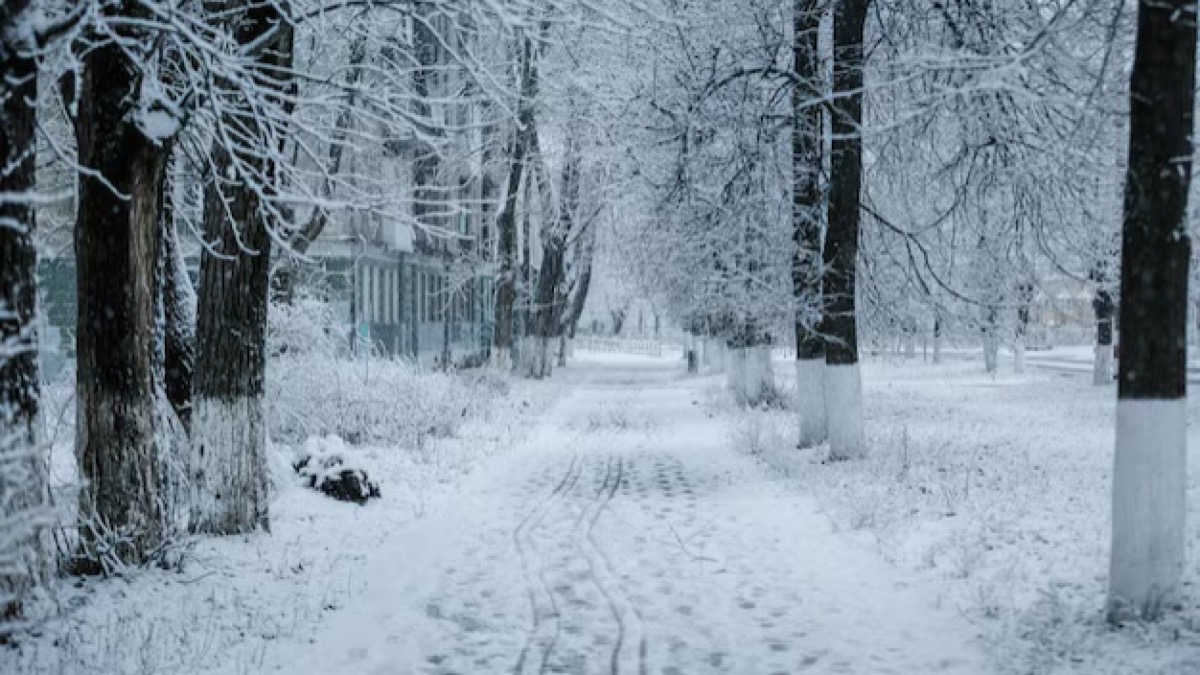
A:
(1102, 368)
(1149, 507)
(502, 359)
(844, 406)
(810, 401)
(749, 375)
(991, 355)
(227, 468)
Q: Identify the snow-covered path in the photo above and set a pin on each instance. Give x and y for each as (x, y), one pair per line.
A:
(626, 537)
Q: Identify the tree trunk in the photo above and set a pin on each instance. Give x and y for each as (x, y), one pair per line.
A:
(122, 508)
(447, 317)
(228, 462)
(1150, 471)
(991, 341)
(749, 375)
(1025, 293)
(843, 379)
(807, 217)
(937, 340)
(506, 221)
(1104, 309)
(177, 306)
(24, 509)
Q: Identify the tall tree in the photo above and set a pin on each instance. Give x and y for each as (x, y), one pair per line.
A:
(807, 218)
(227, 467)
(506, 220)
(839, 323)
(1150, 476)
(550, 299)
(23, 499)
(122, 130)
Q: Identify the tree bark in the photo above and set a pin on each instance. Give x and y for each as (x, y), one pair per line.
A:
(807, 217)
(1025, 295)
(24, 509)
(1104, 309)
(506, 220)
(122, 505)
(1150, 470)
(177, 300)
(937, 340)
(228, 463)
(843, 380)
(550, 301)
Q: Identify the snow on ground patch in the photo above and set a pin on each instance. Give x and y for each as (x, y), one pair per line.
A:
(237, 600)
(998, 491)
(637, 549)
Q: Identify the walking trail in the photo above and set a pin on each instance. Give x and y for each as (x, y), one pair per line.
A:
(627, 536)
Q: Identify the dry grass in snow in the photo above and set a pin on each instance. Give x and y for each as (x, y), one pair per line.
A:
(233, 600)
(998, 490)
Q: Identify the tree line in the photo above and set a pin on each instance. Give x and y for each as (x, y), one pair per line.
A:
(145, 131)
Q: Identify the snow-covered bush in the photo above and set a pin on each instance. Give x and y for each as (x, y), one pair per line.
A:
(315, 387)
(324, 465)
(385, 402)
(306, 326)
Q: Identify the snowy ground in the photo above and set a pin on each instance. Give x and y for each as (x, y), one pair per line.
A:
(996, 490)
(627, 536)
(642, 524)
(237, 601)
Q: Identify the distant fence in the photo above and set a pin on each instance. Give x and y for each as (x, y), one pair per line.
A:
(617, 346)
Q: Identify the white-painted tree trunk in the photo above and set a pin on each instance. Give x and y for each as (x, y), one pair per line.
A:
(844, 403)
(810, 401)
(1019, 355)
(1149, 507)
(502, 359)
(750, 378)
(717, 356)
(991, 354)
(1102, 368)
(229, 443)
(910, 346)
(735, 374)
(937, 347)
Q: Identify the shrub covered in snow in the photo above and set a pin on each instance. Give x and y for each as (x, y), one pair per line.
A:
(324, 465)
(388, 402)
(306, 326)
(316, 388)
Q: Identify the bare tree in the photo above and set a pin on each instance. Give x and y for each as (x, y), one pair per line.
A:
(227, 468)
(839, 323)
(506, 220)
(1149, 476)
(23, 500)
(808, 216)
(123, 130)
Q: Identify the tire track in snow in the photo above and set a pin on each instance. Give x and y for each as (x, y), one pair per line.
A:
(629, 619)
(572, 535)
(584, 544)
(527, 551)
